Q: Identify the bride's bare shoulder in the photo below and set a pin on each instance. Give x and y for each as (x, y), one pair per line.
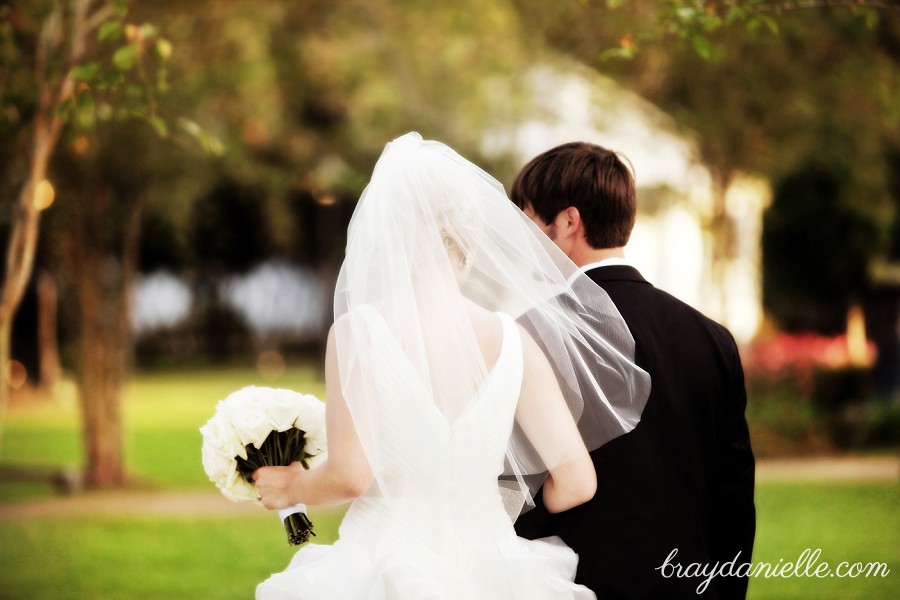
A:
(487, 328)
(483, 320)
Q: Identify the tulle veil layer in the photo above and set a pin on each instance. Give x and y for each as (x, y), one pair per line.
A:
(432, 236)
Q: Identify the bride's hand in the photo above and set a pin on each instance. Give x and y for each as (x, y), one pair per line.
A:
(274, 484)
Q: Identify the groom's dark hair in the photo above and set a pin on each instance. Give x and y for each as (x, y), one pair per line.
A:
(589, 177)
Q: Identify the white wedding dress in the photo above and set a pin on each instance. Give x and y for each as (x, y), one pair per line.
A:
(435, 527)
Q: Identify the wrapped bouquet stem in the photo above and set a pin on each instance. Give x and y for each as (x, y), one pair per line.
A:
(261, 427)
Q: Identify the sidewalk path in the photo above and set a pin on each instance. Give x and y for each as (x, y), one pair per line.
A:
(210, 503)
(188, 503)
(850, 468)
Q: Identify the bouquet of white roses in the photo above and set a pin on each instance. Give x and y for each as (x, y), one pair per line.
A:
(257, 427)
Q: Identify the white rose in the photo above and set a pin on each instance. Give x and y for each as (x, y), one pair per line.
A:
(283, 408)
(310, 413)
(221, 436)
(220, 446)
(236, 488)
(312, 422)
(245, 409)
(215, 463)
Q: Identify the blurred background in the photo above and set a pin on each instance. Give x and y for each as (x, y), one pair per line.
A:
(176, 178)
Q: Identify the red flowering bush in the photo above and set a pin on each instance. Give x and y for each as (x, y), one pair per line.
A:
(797, 384)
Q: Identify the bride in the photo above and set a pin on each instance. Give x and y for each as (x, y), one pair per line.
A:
(462, 373)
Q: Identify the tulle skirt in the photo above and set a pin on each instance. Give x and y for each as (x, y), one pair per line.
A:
(386, 556)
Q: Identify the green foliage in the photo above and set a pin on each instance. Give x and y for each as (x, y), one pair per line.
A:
(120, 68)
(208, 142)
(872, 423)
(813, 410)
(126, 74)
(782, 418)
(303, 96)
(228, 229)
(816, 250)
(694, 22)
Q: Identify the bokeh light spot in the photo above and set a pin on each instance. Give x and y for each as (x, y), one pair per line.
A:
(16, 374)
(43, 195)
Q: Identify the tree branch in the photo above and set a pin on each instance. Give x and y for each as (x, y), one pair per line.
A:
(98, 17)
(812, 4)
(48, 125)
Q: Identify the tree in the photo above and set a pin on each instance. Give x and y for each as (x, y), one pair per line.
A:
(306, 94)
(764, 87)
(94, 236)
(798, 100)
(93, 69)
(229, 233)
(54, 49)
(816, 247)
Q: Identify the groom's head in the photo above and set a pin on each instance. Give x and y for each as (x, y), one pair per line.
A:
(578, 191)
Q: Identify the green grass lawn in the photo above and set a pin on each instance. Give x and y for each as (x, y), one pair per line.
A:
(145, 558)
(225, 557)
(162, 414)
(857, 522)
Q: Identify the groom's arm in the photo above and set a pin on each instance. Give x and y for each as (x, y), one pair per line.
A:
(734, 513)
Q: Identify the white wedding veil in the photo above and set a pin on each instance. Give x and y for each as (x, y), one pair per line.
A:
(432, 236)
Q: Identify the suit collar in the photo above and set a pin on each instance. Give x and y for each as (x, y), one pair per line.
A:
(616, 273)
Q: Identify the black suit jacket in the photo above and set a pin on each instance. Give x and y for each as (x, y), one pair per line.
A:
(683, 478)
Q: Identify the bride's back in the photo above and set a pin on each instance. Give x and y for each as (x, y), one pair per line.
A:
(488, 332)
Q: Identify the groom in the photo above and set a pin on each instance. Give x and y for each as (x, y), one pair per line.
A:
(682, 480)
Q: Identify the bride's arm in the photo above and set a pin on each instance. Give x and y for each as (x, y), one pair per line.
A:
(343, 476)
(544, 417)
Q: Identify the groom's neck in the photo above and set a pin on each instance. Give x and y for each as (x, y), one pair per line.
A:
(585, 255)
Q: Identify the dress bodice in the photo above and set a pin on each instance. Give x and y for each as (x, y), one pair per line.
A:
(429, 452)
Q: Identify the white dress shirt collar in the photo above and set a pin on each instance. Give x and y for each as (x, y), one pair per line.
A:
(606, 262)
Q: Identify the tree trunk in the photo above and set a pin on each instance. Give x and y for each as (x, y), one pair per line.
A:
(100, 380)
(5, 335)
(722, 238)
(104, 280)
(20, 253)
(48, 345)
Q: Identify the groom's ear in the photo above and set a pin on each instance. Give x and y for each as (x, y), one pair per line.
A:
(568, 222)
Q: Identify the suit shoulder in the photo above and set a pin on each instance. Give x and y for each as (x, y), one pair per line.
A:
(682, 310)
